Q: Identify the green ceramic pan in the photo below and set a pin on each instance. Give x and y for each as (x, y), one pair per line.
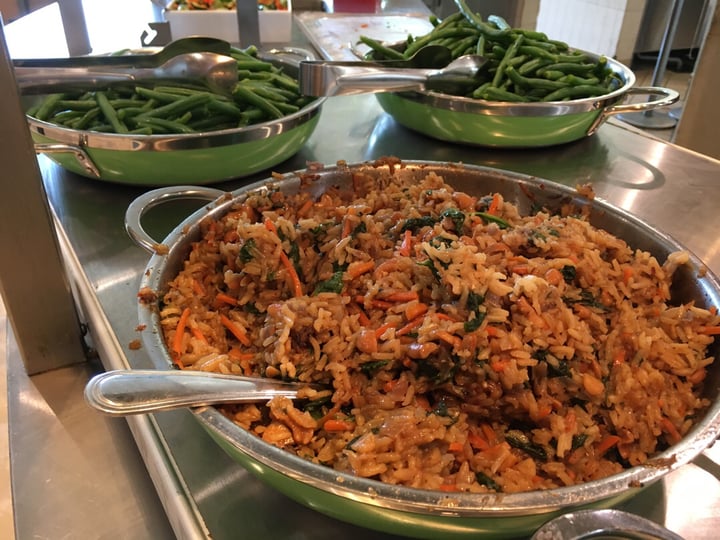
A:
(197, 158)
(518, 125)
(402, 510)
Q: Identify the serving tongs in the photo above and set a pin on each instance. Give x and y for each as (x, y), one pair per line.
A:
(199, 60)
(431, 68)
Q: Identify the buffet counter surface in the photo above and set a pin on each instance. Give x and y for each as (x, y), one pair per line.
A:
(77, 474)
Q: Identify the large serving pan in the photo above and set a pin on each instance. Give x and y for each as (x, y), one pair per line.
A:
(401, 510)
(519, 125)
(196, 158)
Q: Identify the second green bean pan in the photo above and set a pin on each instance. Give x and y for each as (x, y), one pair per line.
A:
(519, 125)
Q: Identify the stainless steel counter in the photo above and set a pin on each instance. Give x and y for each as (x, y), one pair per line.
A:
(78, 475)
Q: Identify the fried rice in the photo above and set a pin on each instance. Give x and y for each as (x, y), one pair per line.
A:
(463, 346)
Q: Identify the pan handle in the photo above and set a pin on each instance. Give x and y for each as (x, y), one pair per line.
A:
(81, 155)
(667, 97)
(139, 207)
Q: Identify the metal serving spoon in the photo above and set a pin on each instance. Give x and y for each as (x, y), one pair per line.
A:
(429, 69)
(124, 392)
(604, 523)
(217, 72)
(197, 59)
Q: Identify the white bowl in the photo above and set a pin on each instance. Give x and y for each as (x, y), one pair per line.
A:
(275, 25)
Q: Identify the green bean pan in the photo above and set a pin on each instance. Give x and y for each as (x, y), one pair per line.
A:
(188, 158)
(519, 125)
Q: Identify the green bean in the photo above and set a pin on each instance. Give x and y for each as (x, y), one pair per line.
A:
(478, 23)
(512, 50)
(480, 47)
(176, 107)
(498, 21)
(568, 67)
(109, 113)
(574, 80)
(538, 51)
(573, 92)
(529, 67)
(76, 104)
(450, 31)
(163, 124)
(534, 82)
(381, 52)
(498, 94)
(161, 97)
(460, 46)
(245, 94)
(48, 107)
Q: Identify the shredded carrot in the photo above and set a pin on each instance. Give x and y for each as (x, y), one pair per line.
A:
(294, 278)
(554, 277)
(477, 442)
(443, 317)
(389, 385)
(305, 208)
(494, 204)
(709, 330)
(384, 328)
(402, 296)
(406, 245)
(544, 412)
(627, 274)
(521, 269)
(489, 433)
(410, 326)
(226, 299)
(197, 334)
(669, 428)
(337, 425)
(607, 443)
(237, 354)
(179, 332)
(415, 309)
(448, 487)
(619, 356)
(449, 338)
(407, 362)
(198, 288)
(235, 329)
(347, 224)
(455, 447)
(358, 268)
(381, 304)
(492, 331)
(499, 365)
(362, 317)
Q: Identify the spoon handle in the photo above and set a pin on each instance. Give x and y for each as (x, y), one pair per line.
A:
(124, 392)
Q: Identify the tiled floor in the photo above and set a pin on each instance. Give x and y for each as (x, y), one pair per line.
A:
(674, 80)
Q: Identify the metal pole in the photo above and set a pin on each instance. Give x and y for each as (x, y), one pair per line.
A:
(248, 22)
(654, 119)
(33, 280)
(73, 20)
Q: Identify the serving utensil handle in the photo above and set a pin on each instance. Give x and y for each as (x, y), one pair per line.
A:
(124, 392)
(139, 207)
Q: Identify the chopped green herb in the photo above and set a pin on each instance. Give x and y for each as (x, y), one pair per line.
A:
(518, 439)
(485, 480)
(494, 219)
(415, 224)
(246, 251)
(568, 272)
(370, 368)
(457, 217)
(579, 440)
